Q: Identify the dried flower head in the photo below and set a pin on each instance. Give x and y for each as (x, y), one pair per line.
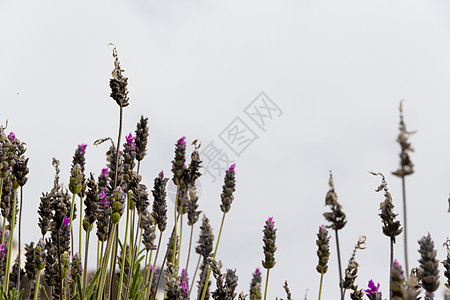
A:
(323, 242)
(39, 255)
(446, 264)
(228, 189)
(352, 268)
(406, 165)
(269, 244)
(20, 170)
(206, 240)
(428, 273)
(141, 138)
(75, 267)
(91, 202)
(118, 83)
(336, 217)
(194, 165)
(179, 169)
(391, 227)
(148, 236)
(159, 212)
(192, 206)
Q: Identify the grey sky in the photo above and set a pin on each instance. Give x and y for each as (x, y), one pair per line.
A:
(337, 69)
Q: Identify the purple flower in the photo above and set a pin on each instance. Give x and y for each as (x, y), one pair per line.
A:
(257, 271)
(231, 168)
(181, 142)
(372, 292)
(105, 172)
(12, 136)
(2, 252)
(66, 221)
(82, 149)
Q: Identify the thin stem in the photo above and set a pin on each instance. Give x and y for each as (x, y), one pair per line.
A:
(132, 251)
(118, 146)
(81, 228)
(36, 289)
(86, 247)
(189, 250)
(149, 266)
(175, 227)
(154, 262)
(61, 291)
(70, 221)
(8, 254)
(20, 236)
(112, 270)
(124, 250)
(195, 274)
(3, 230)
(267, 283)
(105, 262)
(320, 288)
(390, 268)
(181, 235)
(215, 252)
(339, 262)
(405, 233)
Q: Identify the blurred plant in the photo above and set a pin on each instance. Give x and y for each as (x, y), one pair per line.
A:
(323, 243)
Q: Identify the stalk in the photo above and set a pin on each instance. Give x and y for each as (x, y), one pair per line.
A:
(195, 274)
(132, 251)
(20, 235)
(118, 146)
(181, 235)
(86, 247)
(390, 268)
(8, 257)
(405, 224)
(175, 227)
(339, 262)
(320, 288)
(105, 262)
(3, 230)
(267, 283)
(215, 252)
(109, 288)
(81, 229)
(36, 289)
(124, 251)
(59, 268)
(154, 262)
(190, 245)
(148, 274)
(70, 221)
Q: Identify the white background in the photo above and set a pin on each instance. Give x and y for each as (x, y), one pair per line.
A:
(337, 69)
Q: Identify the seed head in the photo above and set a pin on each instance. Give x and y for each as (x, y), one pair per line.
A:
(428, 272)
(269, 244)
(228, 189)
(141, 138)
(406, 165)
(118, 83)
(323, 242)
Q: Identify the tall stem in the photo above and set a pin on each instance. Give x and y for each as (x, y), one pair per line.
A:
(154, 263)
(20, 236)
(181, 235)
(86, 247)
(405, 233)
(149, 265)
(339, 262)
(8, 254)
(118, 146)
(390, 268)
(124, 250)
(105, 262)
(215, 252)
(36, 289)
(70, 221)
(320, 288)
(115, 245)
(267, 283)
(195, 274)
(81, 228)
(61, 291)
(175, 227)
(189, 250)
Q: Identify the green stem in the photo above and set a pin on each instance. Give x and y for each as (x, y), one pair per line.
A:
(105, 263)
(320, 288)
(86, 247)
(70, 221)
(81, 224)
(154, 263)
(148, 274)
(20, 235)
(124, 250)
(118, 146)
(189, 250)
(181, 235)
(339, 263)
(195, 274)
(215, 252)
(36, 289)
(267, 283)
(8, 257)
(112, 266)
(3, 230)
(405, 227)
(133, 251)
(176, 221)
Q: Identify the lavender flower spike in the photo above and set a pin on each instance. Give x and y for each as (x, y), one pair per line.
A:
(269, 244)
(373, 292)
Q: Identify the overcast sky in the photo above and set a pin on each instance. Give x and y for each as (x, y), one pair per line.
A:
(332, 72)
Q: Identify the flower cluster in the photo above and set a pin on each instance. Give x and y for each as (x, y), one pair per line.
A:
(323, 242)
(269, 244)
(373, 292)
(228, 189)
